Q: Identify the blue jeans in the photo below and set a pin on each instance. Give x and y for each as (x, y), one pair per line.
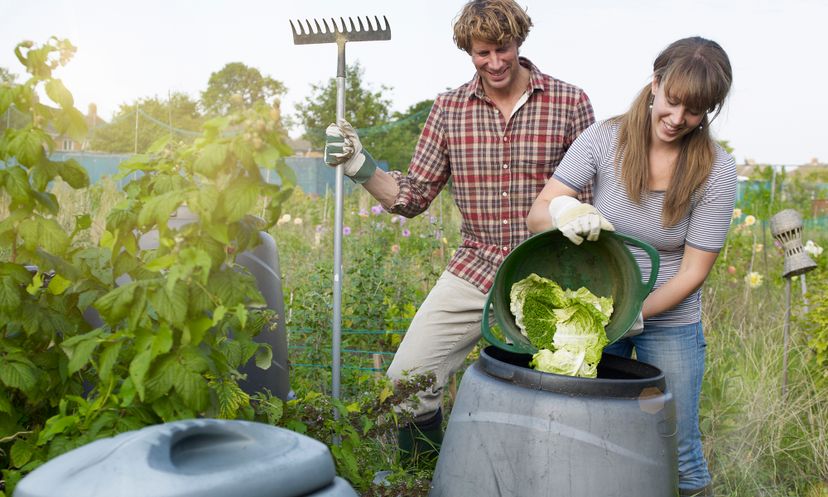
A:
(679, 353)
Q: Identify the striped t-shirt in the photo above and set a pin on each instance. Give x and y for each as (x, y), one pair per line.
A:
(705, 226)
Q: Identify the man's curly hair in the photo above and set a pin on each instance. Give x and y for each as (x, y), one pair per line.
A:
(492, 21)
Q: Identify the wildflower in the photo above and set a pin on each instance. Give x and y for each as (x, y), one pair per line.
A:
(432, 219)
(395, 249)
(812, 248)
(753, 279)
(298, 221)
(737, 213)
(284, 219)
(731, 269)
(750, 220)
(346, 230)
(376, 209)
(394, 219)
(758, 248)
(403, 220)
(406, 233)
(363, 212)
(319, 228)
(445, 241)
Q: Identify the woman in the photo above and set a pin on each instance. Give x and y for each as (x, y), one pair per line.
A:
(660, 177)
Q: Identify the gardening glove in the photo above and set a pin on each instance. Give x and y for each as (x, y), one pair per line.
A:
(636, 328)
(577, 220)
(342, 147)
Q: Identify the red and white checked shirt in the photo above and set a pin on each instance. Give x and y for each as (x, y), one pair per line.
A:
(498, 167)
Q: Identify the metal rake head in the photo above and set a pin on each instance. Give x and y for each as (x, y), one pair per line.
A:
(304, 34)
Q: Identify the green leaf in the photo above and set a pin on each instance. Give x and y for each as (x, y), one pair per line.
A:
(162, 341)
(9, 295)
(48, 201)
(56, 425)
(210, 160)
(36, 284)
(28, 145)
(157, 210)
(73, 173)
(196, 329)
(264, 356)
(43, 173)
(193, 389)
(107, 359)
(17, 184)
(59, 94)
(83, 221)
(79, 349)
(21, 453)
(71, 123)
(159, 263)
(171, 306)
(239, 199)
(158, 145)
(138, 371)
(115, 305)
(5, 404)
(16, 374)
(46, 233)
(267, 157)
(58, 284)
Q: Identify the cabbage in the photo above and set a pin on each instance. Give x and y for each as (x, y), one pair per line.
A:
(566, 326)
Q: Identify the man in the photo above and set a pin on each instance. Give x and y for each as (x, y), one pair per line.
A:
(500, 137)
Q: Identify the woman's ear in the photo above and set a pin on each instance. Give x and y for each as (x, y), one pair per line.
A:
(654, 87)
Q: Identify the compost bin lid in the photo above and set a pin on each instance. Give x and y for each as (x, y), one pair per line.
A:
(194, 458)
(617, 376)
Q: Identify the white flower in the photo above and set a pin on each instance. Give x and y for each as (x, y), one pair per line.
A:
(737, 213)
(297, 221)
(750, 220)
(753, 279)
(284, 219)
(812, 248)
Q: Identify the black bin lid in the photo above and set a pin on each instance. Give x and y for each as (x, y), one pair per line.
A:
(618, 377)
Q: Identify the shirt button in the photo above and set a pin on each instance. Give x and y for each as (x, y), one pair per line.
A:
(505, 249)
(505, 166)
(505, 221)
(505, 138)
(505, 194)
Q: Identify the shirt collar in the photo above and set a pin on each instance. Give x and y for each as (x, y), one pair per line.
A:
(475, 88)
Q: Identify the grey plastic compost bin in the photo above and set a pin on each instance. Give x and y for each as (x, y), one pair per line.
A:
(194, 458)
(514, 431)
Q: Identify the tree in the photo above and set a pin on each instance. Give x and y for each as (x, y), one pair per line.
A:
(177, 115)
(396, 140)
(364, 108)
(237, 85)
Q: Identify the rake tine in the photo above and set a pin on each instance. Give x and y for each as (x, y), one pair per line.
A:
(359, 21)
(353, 28)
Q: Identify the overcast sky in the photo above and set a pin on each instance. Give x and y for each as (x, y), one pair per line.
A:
(127, 50)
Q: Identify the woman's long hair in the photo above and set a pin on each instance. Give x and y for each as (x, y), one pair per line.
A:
(696, 72)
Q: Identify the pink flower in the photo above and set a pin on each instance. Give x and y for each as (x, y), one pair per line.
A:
(376, 209)
(406, 233)
(346, 230)
(395, 249)
(363, 213)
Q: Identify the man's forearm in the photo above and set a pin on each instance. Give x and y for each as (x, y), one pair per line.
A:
(383, 188)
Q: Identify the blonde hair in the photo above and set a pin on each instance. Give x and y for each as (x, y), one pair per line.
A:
(696, 72)
(492, 21)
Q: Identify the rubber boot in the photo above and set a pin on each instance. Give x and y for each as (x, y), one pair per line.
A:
(705, 491)
(420, 442)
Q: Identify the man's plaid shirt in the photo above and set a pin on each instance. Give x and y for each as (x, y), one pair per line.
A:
(497, 168)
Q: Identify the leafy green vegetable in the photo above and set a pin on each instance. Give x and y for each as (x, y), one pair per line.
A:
(567, 326)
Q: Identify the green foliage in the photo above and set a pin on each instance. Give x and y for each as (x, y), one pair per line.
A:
(181, 320)
(179, 111)
(364, 107)
(237, 86)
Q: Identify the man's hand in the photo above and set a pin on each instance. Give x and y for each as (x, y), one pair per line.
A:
(342, 147)
(576, 220)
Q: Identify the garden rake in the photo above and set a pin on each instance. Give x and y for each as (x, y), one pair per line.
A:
(339, 33)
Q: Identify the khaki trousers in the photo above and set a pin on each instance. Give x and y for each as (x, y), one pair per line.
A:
(443, 332)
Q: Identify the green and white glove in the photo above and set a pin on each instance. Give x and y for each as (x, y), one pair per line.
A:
(342, 147)
(577, 220)
(637, 327)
